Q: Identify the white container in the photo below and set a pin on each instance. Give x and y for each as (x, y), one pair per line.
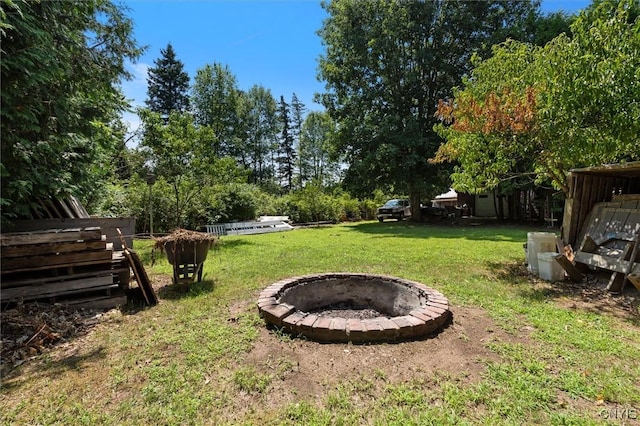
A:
(549, 269)
(538, 242)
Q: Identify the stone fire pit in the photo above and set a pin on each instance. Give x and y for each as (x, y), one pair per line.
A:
(343, 307)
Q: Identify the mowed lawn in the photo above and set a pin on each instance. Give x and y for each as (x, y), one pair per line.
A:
(526, 352)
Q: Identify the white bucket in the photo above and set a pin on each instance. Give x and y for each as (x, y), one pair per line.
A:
(539, 242)
(549, 269)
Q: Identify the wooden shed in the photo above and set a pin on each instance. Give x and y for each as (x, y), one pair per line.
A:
(593, 185)
(602, 223)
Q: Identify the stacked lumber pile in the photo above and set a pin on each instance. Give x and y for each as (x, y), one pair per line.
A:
(610, 240)
(74, 266)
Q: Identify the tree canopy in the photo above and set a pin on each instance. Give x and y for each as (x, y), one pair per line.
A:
(167, 84)
(286, 152)
(316, 151)
(215, 99)
(61, 66)
(543, 110)
(386, 65)
(175, 147)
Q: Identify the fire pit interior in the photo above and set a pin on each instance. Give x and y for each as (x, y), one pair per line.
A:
(343, 307)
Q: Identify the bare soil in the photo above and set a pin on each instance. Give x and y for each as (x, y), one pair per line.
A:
(459, 350)
(306, 369)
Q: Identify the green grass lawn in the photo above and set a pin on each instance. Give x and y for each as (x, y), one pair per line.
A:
(189, 359)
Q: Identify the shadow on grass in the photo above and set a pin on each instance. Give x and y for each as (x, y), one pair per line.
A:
(590, 295)
(225, 244)
(149, 255)
(470, 230)
(54, 368)
(185, 290)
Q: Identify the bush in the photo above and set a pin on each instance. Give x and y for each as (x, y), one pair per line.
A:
(311, 204)
(350, 207)
(234, 202)
(228, 203)
(368, 209)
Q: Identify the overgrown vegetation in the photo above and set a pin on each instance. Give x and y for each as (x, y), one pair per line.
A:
(203, 356)
(62, 131)
(231, 202)
(530, 111)
(61, 66)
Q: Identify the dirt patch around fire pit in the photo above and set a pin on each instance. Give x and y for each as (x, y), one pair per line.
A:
(460, 351)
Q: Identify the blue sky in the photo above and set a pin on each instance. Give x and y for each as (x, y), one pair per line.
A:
(268, 42)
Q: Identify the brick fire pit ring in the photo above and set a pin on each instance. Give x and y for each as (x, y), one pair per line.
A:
(359, 308)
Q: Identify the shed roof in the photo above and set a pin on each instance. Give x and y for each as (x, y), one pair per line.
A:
(450, 195)
(625, 170)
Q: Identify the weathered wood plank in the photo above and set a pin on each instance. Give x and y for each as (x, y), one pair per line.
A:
(616, 282)
(602, 222)
(141, 277)
(617, 221)
(108, 226)
(94, 263)
(633, 223)
(623, 236)
(80, 211)
(569, 268)
(588, 245)
(34, 292)
(19, 282)
(632, 259)
(68, 259)
(51, 236)
(634, 279)
(605, 262)
(53, 249)
(626, 197)
(574, 225)
(584, 206)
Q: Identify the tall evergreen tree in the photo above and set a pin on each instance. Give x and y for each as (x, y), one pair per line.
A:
(298, 110)
(167, 84)
(286, 152)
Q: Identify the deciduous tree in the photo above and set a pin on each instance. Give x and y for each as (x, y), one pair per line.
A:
(174, 146)
(215, 97)
(543, 110)
(386, 65)
(261, 134)
(316, 149)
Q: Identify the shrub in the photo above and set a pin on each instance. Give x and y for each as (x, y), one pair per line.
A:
(368, 209)
(234, 202)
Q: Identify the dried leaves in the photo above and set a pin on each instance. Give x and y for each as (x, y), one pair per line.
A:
(503, 113)
(29, 330)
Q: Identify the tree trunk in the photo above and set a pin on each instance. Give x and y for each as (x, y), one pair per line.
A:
(414, 201)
